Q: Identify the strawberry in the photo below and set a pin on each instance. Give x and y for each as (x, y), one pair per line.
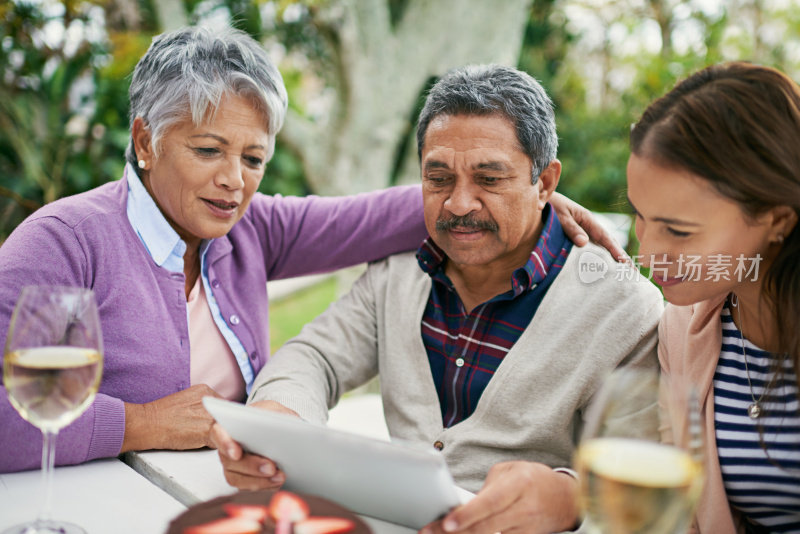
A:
(228, 525)
(288, 506)
(323, 525)
(256, 512)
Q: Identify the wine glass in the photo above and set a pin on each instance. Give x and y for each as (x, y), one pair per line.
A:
(51, 370)
(631, 482)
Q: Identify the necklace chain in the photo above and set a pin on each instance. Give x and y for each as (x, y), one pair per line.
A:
(754, 410)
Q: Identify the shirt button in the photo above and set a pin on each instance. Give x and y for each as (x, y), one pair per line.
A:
(438, 445)
(215, 283)
(460, 362)
(234, 319)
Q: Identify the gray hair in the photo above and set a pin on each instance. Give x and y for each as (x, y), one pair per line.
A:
(188, 71)
(490, 89)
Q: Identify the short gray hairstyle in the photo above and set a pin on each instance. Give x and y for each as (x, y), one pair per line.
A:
(495, 89)
(186, 72)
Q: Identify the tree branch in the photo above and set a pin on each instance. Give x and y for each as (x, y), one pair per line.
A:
(25, 203)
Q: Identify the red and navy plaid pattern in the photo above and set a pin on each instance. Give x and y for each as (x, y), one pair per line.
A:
(465, 349)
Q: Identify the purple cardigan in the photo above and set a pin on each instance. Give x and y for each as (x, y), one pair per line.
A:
(86, 240)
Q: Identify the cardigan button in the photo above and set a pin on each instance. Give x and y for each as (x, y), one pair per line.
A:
(234, 319)
(438, 445)
(215, 283)
(253, 355)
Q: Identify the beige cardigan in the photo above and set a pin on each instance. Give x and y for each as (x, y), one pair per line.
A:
(533, 407)
(689, 344)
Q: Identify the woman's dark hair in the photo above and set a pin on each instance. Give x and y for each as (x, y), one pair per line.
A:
(737, 125)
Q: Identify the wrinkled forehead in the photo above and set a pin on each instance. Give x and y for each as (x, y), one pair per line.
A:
(472, 159)
(471, 141)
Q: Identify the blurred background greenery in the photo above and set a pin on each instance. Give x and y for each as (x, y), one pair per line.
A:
(357, 71)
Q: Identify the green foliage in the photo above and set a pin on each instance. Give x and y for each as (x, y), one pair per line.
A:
(52, 142)
(284, 174)
(245, 15)
(64, 116)
(545, 43)
(594, 152)
(64, 113)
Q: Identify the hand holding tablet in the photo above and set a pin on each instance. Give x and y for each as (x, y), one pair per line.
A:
(397, 482)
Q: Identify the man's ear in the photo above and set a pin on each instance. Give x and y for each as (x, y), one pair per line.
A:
(142, 142)
(548, 180)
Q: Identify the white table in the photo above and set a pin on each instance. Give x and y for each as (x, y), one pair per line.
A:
(196, 476)
(108, 497)
(102, 496)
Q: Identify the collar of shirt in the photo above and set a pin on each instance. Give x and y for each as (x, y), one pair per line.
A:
(548, 248)
(162, 242)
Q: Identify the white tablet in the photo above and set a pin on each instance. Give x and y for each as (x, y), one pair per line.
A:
(397, 482)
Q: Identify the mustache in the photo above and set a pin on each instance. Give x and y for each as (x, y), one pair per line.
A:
(465, 221)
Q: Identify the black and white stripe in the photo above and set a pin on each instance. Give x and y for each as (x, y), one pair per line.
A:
(760, 458)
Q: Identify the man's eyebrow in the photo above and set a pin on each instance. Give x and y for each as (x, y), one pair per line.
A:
(666, 220)
(224, 141)
(491, 166)
(435, 164)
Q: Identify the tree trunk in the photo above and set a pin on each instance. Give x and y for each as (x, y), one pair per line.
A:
(662, 14)
(383, 69)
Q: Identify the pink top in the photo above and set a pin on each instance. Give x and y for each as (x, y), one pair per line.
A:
(689, 344)
(211, 360)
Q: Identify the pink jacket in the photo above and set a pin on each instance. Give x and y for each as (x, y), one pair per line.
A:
(689, 344)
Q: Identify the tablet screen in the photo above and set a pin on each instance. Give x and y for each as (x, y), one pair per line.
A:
(398, 482)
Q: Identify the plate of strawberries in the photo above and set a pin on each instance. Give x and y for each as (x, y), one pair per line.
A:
(267, 512)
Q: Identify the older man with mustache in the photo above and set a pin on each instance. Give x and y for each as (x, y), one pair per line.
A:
(489, 341)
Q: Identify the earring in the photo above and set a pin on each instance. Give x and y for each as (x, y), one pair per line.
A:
(779, 239)
(142, 164)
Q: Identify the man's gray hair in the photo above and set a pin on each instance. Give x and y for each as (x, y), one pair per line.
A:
(185, 73)
(493, 89)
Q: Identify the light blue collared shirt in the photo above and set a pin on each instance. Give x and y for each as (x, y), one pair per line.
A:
(167, 248)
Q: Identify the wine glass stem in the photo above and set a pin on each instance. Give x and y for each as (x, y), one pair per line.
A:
(48, 463)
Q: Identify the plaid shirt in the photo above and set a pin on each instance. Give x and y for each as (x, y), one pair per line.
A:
(465, 349)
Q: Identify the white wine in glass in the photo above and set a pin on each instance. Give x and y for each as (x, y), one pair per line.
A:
(630, 482)
(52, 366)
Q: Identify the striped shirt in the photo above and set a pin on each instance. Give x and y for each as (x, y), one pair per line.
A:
(465, 348)
(760, 458)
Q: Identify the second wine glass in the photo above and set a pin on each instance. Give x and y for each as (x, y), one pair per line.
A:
(632, 482)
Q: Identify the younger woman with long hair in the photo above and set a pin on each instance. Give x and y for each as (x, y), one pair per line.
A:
(714, 180)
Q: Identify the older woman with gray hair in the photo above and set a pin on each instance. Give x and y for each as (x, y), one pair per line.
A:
(178, 252)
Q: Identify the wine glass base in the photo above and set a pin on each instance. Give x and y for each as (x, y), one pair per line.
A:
(45, 527)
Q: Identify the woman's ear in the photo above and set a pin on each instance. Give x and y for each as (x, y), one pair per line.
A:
(784, 219)
(548, 180)
(140, 134)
